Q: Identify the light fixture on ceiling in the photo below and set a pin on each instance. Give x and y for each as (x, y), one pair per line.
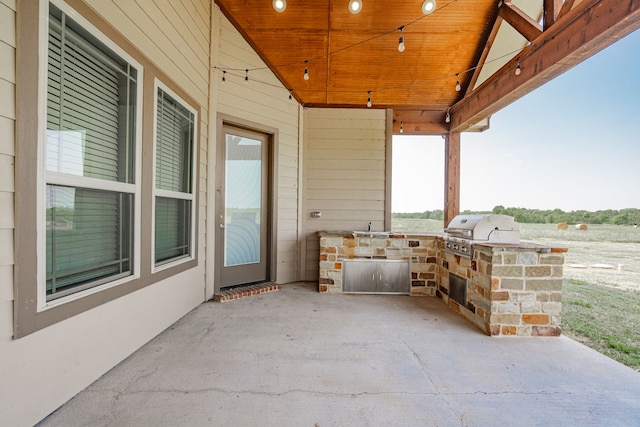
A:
(401, 41)
(306, 70)
(428, 6)
(355, 6)
(458, 87)
(279, 5)
(401, 127)
(447, 118)
(369, 104)
(518, 70)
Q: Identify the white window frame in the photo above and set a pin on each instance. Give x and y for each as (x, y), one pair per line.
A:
(45, 177)
(155, 267)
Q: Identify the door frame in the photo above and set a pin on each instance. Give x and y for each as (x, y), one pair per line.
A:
(213, 225)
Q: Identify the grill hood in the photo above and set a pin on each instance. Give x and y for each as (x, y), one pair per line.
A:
(489, 228)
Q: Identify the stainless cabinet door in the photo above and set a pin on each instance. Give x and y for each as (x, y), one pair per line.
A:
(359, 276)
(377, 276)
(393, 277)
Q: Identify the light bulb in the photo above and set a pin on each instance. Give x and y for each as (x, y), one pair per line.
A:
(369, 100)
(401, 44)
(428, 6)
(246, 76)
(355, 6)
(458, 87)
(518, 70)
(290, 97)
(401, 127)
(447, 118)
(306, 74)
(224, 79)
(279, 5)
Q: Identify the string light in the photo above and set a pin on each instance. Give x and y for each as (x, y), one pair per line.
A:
(355, 6)
(291, 96)
(401, 41)
(428, 6)
(279, 5)
(447, 118)
(401, 127)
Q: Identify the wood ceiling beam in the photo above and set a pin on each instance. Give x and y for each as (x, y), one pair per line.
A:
(485, 53)
(587, 28)
(551, 11)
(566, 7)
(520, 21)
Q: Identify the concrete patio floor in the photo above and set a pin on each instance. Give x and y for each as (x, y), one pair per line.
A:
(299, 358)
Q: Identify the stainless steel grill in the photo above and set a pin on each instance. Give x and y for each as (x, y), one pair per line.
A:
(465, 230)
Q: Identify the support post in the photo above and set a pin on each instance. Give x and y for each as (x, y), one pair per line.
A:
(451, 176)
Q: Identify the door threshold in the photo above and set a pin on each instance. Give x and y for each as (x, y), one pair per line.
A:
(242, 291)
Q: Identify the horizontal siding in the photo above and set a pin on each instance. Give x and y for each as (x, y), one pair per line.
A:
(8, 97)
(344, 174)
(7, 156)
(7, 68)
(8, 24)
(6, 288)
(263, 100)
(11, 4)
(167, 40)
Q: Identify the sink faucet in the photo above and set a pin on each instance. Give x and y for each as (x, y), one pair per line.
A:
(369, 227)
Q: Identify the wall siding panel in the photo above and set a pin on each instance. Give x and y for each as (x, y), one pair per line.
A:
(344, 174)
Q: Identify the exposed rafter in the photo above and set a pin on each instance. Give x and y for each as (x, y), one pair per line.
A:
(520, 21)
(551, 12)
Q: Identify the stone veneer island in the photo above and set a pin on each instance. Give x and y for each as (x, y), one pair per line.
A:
(508, 289)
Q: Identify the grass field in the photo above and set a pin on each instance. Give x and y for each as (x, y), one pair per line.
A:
(601, 291)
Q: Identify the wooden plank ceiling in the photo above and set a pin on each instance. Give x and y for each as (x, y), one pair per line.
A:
(351, 55)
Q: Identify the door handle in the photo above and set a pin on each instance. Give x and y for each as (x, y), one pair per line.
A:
(222, 226)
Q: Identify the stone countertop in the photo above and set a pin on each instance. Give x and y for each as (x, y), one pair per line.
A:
(391, 234)
(520, 247)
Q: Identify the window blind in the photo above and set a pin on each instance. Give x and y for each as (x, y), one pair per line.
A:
(90, 128)
(174, 153)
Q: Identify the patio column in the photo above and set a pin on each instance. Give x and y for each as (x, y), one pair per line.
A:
(451, 176)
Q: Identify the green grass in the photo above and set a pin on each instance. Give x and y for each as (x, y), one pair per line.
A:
(603, 318)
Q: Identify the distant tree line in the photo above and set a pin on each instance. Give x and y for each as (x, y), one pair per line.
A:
(629, 216)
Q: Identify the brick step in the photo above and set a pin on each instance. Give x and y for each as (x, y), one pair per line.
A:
(245, 291)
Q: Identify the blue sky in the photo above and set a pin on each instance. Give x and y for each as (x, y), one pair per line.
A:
(572, 144)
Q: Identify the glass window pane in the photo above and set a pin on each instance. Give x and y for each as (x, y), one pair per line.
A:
(173, 228)
(90, 106)
(88, 238)
(174, 144)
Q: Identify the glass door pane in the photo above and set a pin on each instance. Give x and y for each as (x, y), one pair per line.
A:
(243, 200)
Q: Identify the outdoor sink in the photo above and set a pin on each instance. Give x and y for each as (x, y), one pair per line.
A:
(374, 234)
